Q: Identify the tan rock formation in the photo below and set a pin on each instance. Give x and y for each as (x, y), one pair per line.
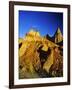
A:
(30, 61)
(58, 36)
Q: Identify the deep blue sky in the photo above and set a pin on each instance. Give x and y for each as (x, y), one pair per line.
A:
(44, 22)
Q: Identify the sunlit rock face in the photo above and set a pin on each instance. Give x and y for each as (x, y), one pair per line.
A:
(33, 35)
(39, 57)
(58, 36)
(34, 32)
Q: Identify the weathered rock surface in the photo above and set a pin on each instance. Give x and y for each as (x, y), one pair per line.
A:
(39, 57)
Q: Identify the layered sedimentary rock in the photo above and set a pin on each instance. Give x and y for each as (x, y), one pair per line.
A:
(58, 36)
(39, 57)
